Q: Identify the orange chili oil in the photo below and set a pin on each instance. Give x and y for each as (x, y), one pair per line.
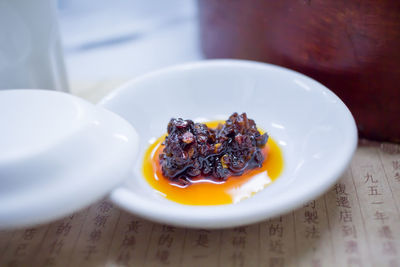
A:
(203, 191)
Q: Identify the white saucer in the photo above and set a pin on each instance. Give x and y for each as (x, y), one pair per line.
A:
(313, 127)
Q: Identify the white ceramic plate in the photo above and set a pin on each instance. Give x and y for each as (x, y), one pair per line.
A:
(313, 127)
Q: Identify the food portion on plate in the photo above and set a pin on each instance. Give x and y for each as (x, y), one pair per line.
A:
(213, 163)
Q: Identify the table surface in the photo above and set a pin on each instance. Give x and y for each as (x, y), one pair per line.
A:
(356, 223)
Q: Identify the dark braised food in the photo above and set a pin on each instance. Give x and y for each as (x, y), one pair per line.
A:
(193, 149)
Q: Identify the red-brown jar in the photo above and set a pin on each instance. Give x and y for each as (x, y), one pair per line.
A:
(352, 47)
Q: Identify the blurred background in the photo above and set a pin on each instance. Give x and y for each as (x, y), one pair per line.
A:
(352, 47)
(108, 42)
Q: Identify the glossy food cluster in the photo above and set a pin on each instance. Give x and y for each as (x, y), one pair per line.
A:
(193, 149)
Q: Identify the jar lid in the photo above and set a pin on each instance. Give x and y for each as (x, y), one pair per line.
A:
(58, 154)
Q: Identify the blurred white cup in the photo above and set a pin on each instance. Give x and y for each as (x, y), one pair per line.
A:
(30, 49)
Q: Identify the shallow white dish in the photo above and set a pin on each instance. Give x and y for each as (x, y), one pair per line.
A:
(313, 127)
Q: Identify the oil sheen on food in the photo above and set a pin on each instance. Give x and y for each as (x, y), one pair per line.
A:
(204, 191)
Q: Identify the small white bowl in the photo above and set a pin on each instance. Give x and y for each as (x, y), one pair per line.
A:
(313, 127)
